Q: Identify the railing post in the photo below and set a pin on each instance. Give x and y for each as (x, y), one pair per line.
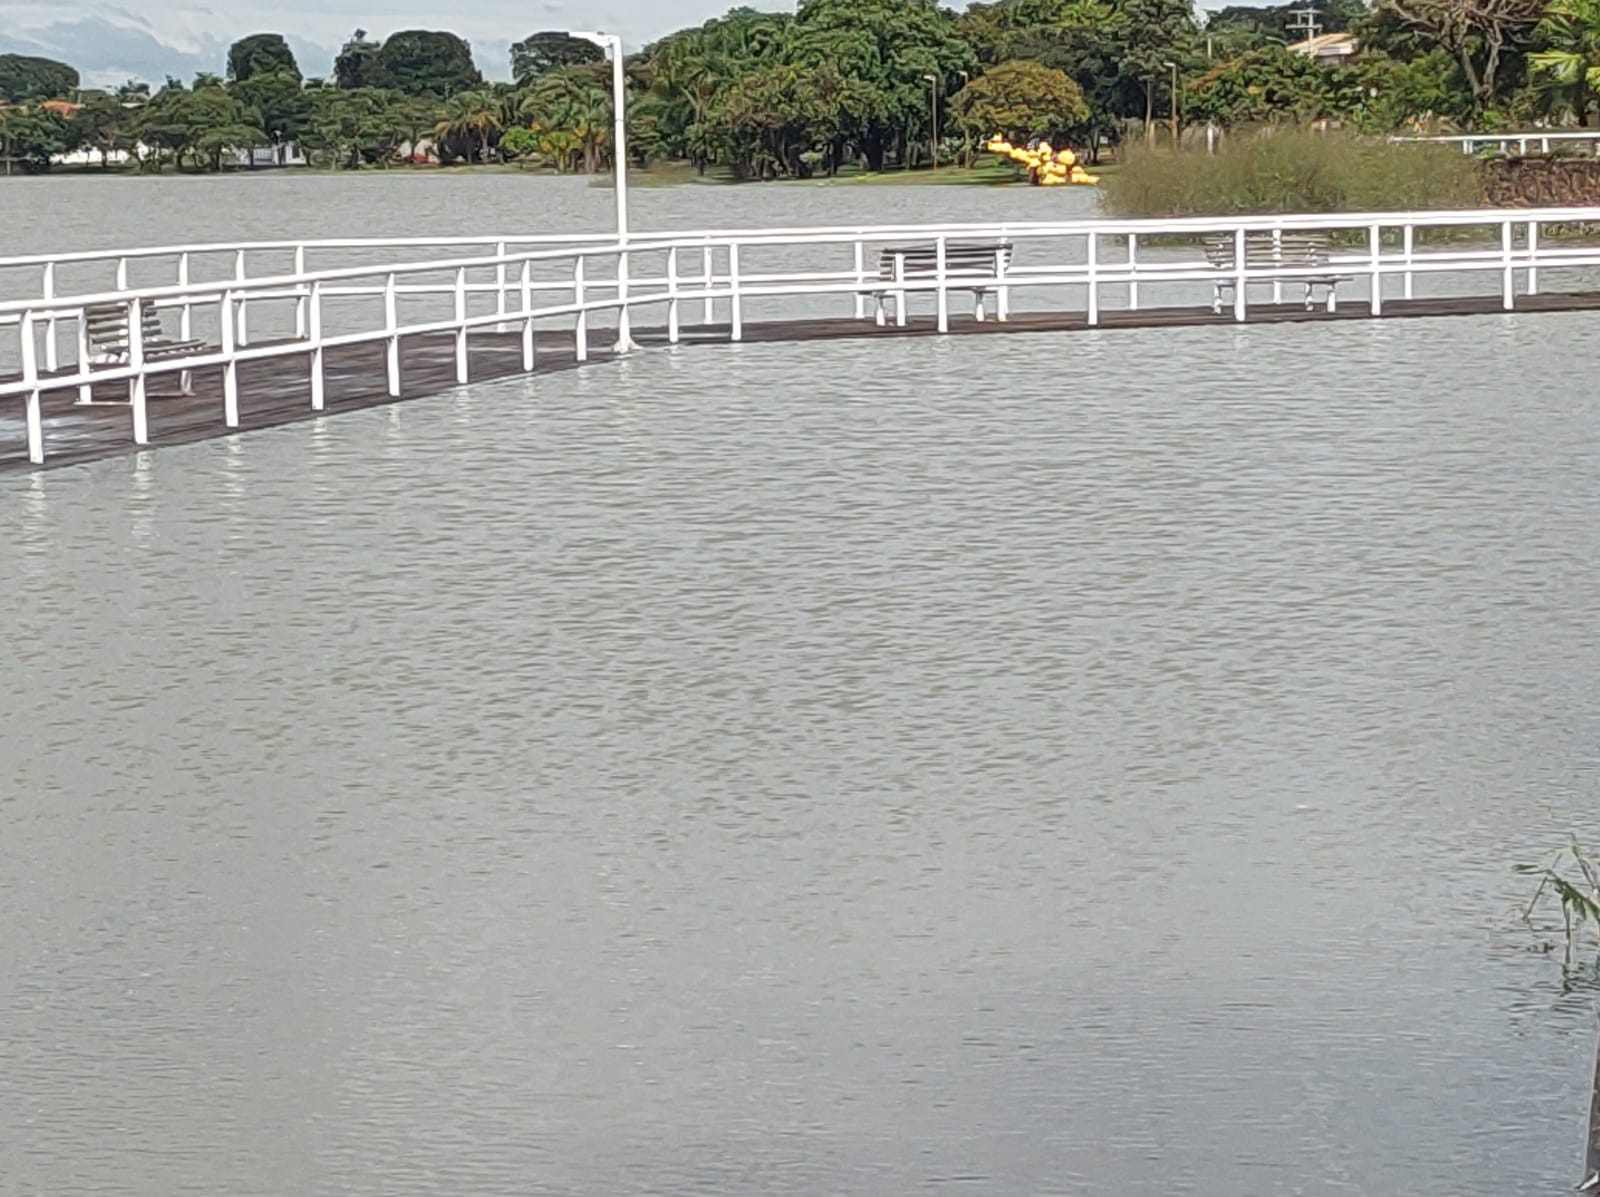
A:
(1277, 262)
(735, 304)
(137, 385)
(30, 378)
(940, 252)
(525, 283)
(1375, 252)
(461, 325)
(1133, 269)
(672, 296)
(502, 294)
(861, 279)
(391, 324)
(230, 368)
(581, 328)
(1092, 260)
(900, 292)
(1410, 241)
(319, 391)
(300, 294)
(122, 274)
(1241, 275)
(1508, 296)
(709, 261)
(186, 316)
(1533, 257)
(244, 314)
(52, 362)
(85, 389)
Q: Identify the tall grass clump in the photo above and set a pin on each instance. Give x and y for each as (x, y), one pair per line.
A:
(1291, 170)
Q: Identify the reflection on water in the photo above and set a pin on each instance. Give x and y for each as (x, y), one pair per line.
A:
(816, 770)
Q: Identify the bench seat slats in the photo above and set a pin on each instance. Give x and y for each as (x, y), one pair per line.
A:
(1304, 255)
(983, 263)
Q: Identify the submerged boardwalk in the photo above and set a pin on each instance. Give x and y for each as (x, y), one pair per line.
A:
(276, 392)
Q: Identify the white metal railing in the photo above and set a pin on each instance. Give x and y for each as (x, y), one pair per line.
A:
(1081, 266)
(1539, 141)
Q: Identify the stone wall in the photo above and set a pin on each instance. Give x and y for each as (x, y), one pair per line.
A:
(1542, 182)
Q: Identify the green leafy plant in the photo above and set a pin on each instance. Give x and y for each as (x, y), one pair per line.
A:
(1572, 878)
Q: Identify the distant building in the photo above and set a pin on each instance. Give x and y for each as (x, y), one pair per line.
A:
(1330, 49)
(288, 154)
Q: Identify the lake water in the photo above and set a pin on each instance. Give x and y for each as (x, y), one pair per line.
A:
(1092, 766)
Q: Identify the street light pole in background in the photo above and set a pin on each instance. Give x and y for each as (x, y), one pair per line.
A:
(966, 148)
(1174, 105)
(933, 103)
(612, 45)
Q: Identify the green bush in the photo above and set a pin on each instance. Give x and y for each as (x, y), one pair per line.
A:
(1291, 170)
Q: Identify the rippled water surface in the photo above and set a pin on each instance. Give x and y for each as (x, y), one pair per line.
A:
(1086, 764)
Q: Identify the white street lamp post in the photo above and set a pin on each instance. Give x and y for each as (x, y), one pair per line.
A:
(612, 45)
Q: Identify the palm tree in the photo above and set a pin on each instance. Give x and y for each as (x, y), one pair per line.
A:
(1571, 65)
(573, 101)
(474, 118)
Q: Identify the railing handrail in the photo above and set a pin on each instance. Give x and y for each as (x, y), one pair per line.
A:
(137, 253)
(596, 246)
(749, 235)
(1534, 135)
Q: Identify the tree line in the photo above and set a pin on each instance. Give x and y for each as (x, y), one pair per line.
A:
(874, 82)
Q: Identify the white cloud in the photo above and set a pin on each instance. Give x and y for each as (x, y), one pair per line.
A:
(150, 39)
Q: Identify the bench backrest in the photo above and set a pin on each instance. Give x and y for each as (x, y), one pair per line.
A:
(107, 325)
(922, 261)
(1263, 249)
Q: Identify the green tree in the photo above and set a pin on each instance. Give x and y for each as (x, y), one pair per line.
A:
(1569, 66)
(540, 53)
(1083, 38)
(685, 72)
(420, 62)
(357, 63)
(24, 78)
(261, 54)
(1156, 32)
(571, 108)
(1273, 85)
(31, 137)
(105, 125)
(197, 128)
(361, 126)
(276, 103)
(469, 127)
(1021, 100)
(889, 47)
(1483, 36)
(519, 143)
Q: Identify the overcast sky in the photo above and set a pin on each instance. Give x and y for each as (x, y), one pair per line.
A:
(149, 39)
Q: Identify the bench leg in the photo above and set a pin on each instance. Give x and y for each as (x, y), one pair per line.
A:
(1309, 294)
(900, 309)
(186, 382)
(882, 319)
(1333, 300)
(977, 306)
(1216, 299)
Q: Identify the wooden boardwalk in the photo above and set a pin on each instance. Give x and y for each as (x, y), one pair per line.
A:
(279, 391)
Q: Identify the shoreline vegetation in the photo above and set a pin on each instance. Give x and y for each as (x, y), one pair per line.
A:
(864, 92)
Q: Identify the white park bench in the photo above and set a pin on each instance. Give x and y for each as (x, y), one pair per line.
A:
(982, 265)
(1304, 254)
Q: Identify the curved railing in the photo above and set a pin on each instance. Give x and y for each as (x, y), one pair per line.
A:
(584, 284)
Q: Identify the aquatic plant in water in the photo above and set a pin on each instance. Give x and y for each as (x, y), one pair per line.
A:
(1571, 878)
